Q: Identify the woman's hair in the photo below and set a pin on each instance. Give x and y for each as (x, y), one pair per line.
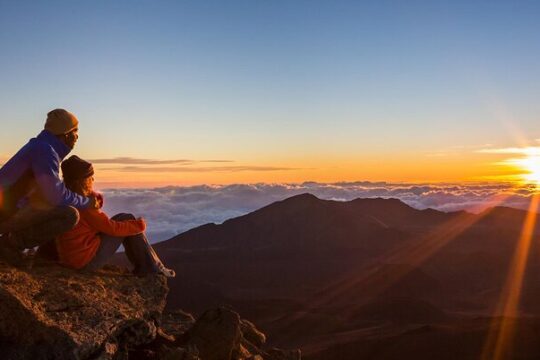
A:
(79, 186)
(76, 173)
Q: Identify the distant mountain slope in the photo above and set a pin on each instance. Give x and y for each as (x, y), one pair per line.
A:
(306, 221)
(305, 268)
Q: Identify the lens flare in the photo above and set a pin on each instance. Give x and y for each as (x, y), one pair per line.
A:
(499, 340)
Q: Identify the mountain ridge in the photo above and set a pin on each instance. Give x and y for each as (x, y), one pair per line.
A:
(305, 268)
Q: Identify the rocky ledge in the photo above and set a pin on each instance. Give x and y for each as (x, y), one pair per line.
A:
(49, 312)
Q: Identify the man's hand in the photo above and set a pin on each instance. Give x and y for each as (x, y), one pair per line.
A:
(94, 202)
(99, 198)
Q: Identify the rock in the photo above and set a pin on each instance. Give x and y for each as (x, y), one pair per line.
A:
(178, 353)
(241, 353)
(251, 333)
(56, 313)
(255, 357)
(220, 334)
(216, 334)
(278, 354)
(176, 323)
(50, 312)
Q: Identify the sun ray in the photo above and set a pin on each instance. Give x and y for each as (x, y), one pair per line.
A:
(499, 340)
(417, 253)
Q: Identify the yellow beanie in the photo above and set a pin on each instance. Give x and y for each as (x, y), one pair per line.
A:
(60, 121)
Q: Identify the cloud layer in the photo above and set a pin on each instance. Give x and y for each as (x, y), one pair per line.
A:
(137, 161)
(172, 210)
(169, 169)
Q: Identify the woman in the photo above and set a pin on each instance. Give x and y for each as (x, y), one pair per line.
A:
(96, 238)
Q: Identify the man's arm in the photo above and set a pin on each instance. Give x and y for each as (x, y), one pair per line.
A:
(45, 165)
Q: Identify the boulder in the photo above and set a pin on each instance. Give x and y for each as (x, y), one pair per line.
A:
(220, 334)
(216, 334)
(251, 333)
(51, 312)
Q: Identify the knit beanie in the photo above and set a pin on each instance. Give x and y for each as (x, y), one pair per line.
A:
(60, 121)
(75, 168)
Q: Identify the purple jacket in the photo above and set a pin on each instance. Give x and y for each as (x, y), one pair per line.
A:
(35, 167)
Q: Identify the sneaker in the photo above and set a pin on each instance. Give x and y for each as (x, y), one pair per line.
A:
(170, 273)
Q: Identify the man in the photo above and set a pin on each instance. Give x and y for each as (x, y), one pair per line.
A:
(35, 205)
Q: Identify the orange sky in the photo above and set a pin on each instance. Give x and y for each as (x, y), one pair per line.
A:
(404, 167)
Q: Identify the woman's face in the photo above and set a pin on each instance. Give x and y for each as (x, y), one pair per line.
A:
(87, 185)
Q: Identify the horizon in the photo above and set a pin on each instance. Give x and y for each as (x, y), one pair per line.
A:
(171, 210)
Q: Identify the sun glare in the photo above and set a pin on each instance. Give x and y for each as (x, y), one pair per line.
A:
(530, 167)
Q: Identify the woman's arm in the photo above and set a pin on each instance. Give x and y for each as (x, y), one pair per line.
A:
(101, 222)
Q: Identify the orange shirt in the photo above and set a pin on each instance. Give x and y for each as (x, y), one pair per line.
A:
(79, 245)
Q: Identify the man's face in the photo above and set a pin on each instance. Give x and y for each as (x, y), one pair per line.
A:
(71, 138)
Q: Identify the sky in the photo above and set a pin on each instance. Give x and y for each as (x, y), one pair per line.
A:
(245, 92)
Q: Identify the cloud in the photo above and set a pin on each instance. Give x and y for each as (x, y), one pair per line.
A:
(137, 165)
(140, 169)
(458, 149)
(175, 209)
(136, 161)
(529, 151)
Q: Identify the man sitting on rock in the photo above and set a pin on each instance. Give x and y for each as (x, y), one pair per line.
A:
(35, 205)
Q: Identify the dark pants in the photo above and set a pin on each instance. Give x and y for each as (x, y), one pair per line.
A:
(33, 227)
(138, 251)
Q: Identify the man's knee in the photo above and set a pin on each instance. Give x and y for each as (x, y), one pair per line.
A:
(123, 217)
(69, 215)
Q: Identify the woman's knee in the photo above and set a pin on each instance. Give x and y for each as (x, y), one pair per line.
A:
(123, 216)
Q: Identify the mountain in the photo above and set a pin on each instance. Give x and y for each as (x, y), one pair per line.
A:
(324, 275)
(289, 248)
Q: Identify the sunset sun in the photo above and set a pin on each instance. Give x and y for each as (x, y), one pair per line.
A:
(531, 168)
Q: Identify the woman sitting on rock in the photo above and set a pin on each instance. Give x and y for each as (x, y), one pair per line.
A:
(96, 238)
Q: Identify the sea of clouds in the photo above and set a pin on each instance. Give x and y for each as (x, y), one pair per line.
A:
(175, 209)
